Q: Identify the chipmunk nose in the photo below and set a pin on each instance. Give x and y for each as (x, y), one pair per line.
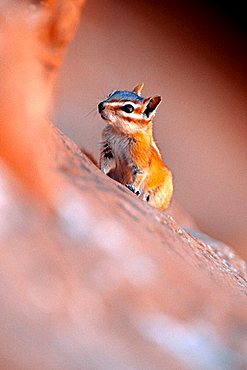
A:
(101, 107)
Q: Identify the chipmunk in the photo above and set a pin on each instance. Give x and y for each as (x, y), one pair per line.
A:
(128, 152)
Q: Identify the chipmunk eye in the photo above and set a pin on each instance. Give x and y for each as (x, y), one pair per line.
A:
(128, 108)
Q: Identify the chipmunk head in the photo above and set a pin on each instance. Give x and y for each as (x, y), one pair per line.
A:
(128, 111)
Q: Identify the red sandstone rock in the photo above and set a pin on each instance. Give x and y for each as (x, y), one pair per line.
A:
(58, 23)
(102, 280)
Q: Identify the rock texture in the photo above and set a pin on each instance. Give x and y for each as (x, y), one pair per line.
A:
(91, 277)
(200, 72)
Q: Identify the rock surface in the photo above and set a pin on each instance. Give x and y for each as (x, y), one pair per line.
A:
(94, 278)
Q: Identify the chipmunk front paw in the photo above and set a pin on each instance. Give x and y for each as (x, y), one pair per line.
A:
(132, 188)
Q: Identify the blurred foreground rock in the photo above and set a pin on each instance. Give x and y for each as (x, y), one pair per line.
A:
(90, 276)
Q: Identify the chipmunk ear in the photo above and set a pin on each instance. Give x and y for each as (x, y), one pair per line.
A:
(138, 89)
(151, 104)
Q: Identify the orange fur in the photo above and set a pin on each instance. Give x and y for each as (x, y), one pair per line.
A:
(129, 154)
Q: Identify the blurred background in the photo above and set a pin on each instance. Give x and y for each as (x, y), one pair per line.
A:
(194, 55)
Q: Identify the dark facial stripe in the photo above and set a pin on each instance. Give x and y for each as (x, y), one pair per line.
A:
(116, 108)
(109, 101)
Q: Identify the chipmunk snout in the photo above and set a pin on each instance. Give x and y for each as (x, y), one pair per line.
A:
(101, 107)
